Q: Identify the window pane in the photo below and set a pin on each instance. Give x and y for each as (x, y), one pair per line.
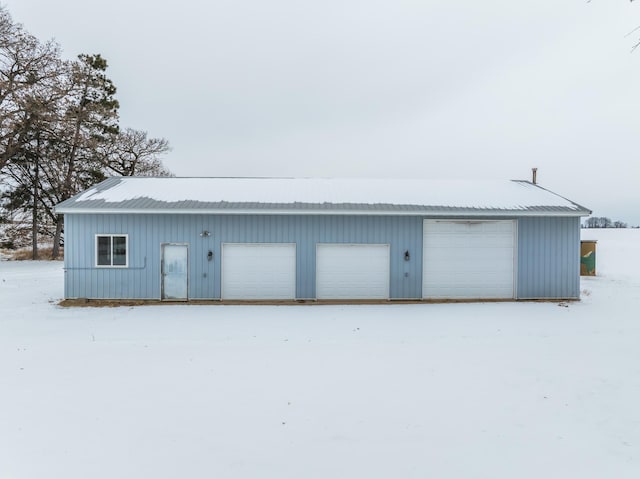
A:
(119, 250)
(104, 251)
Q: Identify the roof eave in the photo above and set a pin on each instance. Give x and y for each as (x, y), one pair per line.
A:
(324, 212)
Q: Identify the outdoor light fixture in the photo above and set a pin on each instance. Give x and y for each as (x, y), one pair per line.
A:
(204, 234)
(407, 256)
(210, 255)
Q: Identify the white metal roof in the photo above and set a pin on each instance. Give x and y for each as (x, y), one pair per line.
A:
(318, 196)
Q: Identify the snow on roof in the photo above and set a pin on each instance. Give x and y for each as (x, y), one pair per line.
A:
(313, 195)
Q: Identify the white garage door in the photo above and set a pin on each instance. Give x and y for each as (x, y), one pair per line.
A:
(468, 259)
(258, 271)
(352, 271)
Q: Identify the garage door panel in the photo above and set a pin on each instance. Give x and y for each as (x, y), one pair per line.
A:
(354, 271)
(258, 271)
(468, 259)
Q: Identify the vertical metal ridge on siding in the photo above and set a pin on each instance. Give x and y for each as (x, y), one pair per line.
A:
(548, 258)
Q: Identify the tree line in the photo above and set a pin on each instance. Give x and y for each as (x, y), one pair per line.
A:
(59, 132)
(603, 222)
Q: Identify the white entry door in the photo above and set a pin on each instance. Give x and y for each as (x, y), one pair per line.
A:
(258, 271)
(468, 259)
(175, 272)
(352, 271)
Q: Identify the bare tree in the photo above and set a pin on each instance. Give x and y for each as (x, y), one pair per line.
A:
(26, 66)
(29, 80)
(132, 153)
(59, 131)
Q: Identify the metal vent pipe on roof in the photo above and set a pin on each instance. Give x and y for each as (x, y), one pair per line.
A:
(534, 174)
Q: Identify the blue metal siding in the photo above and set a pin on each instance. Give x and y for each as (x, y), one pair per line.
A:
(547, 251)
(548, 258)
(146, 232)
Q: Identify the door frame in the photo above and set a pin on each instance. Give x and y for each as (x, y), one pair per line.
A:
(162, 245)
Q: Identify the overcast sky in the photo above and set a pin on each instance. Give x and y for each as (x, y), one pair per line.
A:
(396, 88)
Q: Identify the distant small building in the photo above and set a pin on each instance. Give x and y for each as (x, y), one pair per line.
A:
(317, 239)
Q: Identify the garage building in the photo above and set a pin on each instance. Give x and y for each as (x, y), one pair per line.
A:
(183, 239)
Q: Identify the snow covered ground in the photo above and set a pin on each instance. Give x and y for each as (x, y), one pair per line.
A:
(496, 390)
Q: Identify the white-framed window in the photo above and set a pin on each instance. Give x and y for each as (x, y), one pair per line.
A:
(112, 251)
